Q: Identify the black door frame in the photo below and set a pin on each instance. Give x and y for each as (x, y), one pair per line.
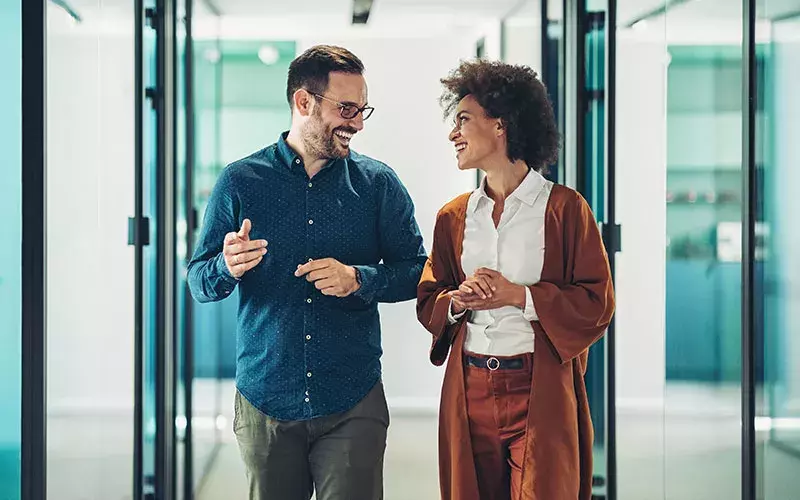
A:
(575, 25)
(749, 214)
(33, 249)
(162, 19)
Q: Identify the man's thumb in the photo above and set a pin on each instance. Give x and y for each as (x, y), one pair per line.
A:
(244, 232)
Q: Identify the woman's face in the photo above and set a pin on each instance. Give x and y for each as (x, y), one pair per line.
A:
(475, 136)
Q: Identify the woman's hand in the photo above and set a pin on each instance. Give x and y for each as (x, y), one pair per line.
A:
(487, 289)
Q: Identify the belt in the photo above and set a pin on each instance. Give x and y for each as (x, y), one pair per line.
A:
(493, 363)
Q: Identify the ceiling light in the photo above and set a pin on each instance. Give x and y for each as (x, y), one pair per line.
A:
(268, 54)
(212, 55)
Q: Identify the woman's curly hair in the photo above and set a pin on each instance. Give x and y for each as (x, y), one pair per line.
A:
(515, 95)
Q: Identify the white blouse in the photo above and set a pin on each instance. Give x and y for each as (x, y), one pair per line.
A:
(515, 249)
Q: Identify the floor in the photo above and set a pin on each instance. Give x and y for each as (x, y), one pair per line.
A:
(688, 451)
(685, 452)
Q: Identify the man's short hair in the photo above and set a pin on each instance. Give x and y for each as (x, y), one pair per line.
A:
(311, 69)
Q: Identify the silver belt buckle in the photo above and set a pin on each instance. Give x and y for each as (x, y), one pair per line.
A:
(492, 363)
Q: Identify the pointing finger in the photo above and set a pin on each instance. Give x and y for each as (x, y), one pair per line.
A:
(244, 232)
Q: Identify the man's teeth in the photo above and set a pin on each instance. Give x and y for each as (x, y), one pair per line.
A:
(344, 135)
(460, 147)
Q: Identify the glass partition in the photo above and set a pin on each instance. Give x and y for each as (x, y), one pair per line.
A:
(90, 266)
(703, 436)
(777, 248)
(10, 257)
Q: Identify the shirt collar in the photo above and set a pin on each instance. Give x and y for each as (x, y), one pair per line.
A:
(290, 158)
(526, 192)
(286, 154)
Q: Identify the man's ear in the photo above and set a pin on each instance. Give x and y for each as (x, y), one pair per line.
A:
(303, 102)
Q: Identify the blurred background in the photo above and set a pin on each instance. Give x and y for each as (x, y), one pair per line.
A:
(147, 101)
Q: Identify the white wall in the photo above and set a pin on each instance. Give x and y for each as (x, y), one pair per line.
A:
(785, 232)
(641, 265)
(523, 44)
(641, 211)
(90, 289)
(409, 133)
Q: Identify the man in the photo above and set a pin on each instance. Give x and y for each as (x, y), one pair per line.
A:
(310, 411)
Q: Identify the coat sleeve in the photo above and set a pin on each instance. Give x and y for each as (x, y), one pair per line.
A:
(433, 302)
(577, 313)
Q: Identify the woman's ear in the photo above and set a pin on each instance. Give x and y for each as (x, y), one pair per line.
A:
(500, 127)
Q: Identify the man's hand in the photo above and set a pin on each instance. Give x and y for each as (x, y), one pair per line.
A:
(488, 289)
(241, 254)
(330, 276)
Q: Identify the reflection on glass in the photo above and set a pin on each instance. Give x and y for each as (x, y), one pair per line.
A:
(149, 262)
(180, 255)
(591, 183)
(777, 250)
(90, 293)
(10, 231)
(704, 224)
(205, 327)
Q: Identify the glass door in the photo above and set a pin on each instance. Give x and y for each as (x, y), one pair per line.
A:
(777, 246)
(590, 154)
(90, 292)
(144, 238)
(11, 255)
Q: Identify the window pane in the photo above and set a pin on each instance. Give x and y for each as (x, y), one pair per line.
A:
(641, 269)
(703, 251)
(778, 247)
(90, 296)
(10, 231)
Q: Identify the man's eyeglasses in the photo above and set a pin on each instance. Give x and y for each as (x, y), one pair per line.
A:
(348, 111)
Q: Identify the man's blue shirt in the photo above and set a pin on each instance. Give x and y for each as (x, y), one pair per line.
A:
(301, 354)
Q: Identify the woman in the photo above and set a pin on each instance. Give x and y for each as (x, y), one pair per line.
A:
(516, 290)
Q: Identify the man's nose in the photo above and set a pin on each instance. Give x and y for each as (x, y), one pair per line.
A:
(357, 121)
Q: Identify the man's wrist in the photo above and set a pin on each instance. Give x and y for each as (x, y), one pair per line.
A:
(358, 278)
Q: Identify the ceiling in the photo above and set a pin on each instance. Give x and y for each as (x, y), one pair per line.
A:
(338, 13)
(472, 8)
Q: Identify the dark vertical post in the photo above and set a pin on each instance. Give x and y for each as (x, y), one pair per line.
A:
(614, 244)
(191, 223)
(34, 257)
(138, 339)
(749, 209)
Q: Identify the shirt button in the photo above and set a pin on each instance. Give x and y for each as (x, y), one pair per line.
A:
(308, 337)
(308, 300)
(307, 400)
(310, 184)
(308, 374)
(297, 161)
(306, 393)
(310, 221)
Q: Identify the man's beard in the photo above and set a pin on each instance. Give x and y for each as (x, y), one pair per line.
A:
(320, 142)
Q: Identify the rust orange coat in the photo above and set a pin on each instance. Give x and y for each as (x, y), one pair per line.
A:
(575, 302)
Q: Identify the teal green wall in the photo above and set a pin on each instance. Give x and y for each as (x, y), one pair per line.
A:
(11, 235)
(241, 107)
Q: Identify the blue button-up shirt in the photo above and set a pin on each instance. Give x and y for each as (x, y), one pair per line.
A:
(302, 354)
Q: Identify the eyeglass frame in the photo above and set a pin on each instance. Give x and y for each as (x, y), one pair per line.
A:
(341, 105)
